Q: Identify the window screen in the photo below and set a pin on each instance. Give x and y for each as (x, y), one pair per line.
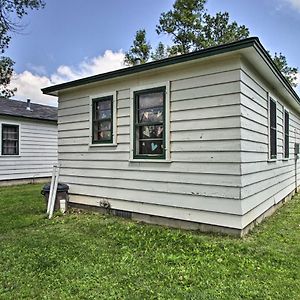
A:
(10, 139)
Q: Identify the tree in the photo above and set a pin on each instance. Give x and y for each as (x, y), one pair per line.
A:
(160, 52)
(183, 23)
(6, 71)
(217, 30)
(290, 73)
(139, 53)
(191, 28)
(11, 13)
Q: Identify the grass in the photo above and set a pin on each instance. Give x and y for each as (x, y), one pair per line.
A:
(91, 256)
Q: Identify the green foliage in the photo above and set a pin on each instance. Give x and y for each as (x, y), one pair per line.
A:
(217, 30)
(139, 53)
(11, 12)
(192, 28)
(91, 256)
(160, 52)
(183, 23)
(6, 71)
(290, 73)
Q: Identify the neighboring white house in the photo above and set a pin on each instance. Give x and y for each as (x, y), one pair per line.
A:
(203, 140)
(28, 141)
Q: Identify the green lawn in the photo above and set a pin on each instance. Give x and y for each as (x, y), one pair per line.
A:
(91, 256)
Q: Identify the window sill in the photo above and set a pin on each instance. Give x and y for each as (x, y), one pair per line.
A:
(143, 160)
(272, 160)
(286, 159)
(4, 156)
(104, 145)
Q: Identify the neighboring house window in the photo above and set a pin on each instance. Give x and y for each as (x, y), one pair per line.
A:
(149, 123)
(273, 133)
(103, 120)
(10, 139)
(286, 134)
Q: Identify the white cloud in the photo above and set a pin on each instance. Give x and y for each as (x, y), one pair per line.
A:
(109, 61)
(295, 4)
(29, 84)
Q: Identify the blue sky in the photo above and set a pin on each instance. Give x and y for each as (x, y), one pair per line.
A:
(71, 39)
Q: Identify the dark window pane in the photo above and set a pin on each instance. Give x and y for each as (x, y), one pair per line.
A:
(286, 135)
(151, 100)
(104, 135)
(273, 114)
(287, 148)
(153, 147)
(10, 133)
(273, 144)
(287, 121)
(151, 115)
(273, 133)
(104, 114)
(150, 132)
(104, 105)
(101, 134)
(105, 125)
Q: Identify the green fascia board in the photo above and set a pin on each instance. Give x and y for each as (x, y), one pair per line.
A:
(269, 59)
(222, 49)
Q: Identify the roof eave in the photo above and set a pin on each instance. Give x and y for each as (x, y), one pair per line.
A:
(218, 50)
(260, 49)
(53, 90)
(26, 117)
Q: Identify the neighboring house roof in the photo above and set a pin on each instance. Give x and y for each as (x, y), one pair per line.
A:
(17, 108)
(251, 48)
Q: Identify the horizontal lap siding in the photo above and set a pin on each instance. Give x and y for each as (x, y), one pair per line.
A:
(38, 151)
(204, 174)
(264, 183)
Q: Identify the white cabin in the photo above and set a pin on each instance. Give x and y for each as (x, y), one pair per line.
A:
(204, 140)
(28, 141)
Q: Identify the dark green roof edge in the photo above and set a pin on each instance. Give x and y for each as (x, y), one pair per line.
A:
(245, 43)
(154, 64)
(271, 62)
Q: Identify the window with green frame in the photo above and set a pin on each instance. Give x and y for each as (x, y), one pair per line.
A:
(102, 120)
(149, 123)
(273, 129)
(286, 134)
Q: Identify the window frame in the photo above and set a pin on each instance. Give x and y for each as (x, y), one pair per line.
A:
(102, 97)
(136, 94)
(274, 129)
(18, 141)
(286, 134)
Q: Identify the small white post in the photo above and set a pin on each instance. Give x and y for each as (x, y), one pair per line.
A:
(51, 189)
(52, 204)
